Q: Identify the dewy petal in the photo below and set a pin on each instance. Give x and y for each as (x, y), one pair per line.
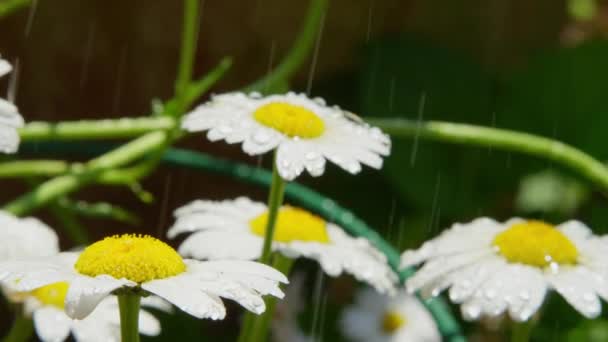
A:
(237, 268)
(85, 293)
(184, 294)
(345, 141)
(27, 275)
(457, 239)
(441, 266)
(356, 256)
(574, 286)
(290, 160)
(212, 245)
(51, 324)
(29, 237)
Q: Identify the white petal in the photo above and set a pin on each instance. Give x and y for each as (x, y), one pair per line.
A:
(180, 291)
(459, 238)
(148, 324)
(262, 140)
(51, 324)
(222, 245)
(467, 280)
(441, 266)
(289, 160)
(5, 67)
(85, 293)
(156, 303)
(574, 285)
(238, 268)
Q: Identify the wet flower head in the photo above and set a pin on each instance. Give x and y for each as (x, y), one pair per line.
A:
(291, 120)
(133, 257)
(535, 243)
(293, 224)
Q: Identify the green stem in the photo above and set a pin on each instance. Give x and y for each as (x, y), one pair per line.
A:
(56, 187)
(32, 168)
(255, 327)
(526, 143)
(128, 304)
(298, 53)
(188, 49)
(9, 6)
(520, 331)
(95, 129)
(22, 329)
(275, 199)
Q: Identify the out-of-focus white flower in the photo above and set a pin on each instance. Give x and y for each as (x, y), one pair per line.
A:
(129, 261)
(305, 132)
(378, 318)
(235, 229)
(491, 267)
(10, 119)
(46, 307)
(25, 237)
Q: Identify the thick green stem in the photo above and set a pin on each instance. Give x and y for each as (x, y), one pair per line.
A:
(466, 134)
(255, 327)
(94, 129)
(56, 187)
(299, 52)
(275, 199)
(128, 304)
(188, 49)
(21, 331)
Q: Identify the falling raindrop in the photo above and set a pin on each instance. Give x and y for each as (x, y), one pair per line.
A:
(370, 13)
(421, 106)
(119, 77)
(13, 82)
(315, 55)
(30, 17)
(164, 206)
(88, 50)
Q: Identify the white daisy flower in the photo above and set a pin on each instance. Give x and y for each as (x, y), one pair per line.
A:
(491, 267)
(304, 131)
(25, 237)
(378, 318)
(10, 119)
(234, 229)
(46, 307)
(146, 264)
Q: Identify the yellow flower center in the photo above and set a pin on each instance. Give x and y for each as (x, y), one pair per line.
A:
(535, 243)
(293, 224)
(137, 258)
(291, 120)
(392, 321)
(52, 294)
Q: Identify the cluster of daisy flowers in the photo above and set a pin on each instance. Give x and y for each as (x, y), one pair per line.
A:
(489, 268)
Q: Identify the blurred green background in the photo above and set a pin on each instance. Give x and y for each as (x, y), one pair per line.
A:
(537, 66)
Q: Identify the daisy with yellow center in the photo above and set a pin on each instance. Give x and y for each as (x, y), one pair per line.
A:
(374, 317)
(305, 132)
(10, 119)
(234, 229)
(142, 264)
(24, 238)
(45, 305)
(491, 267)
